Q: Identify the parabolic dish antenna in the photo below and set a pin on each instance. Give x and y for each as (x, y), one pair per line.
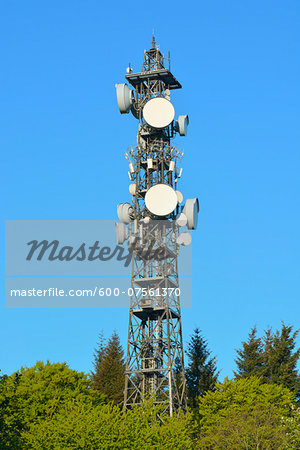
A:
(182, 124)
(125, 213)
(161, 200)
(191, 209)
(184, 239)
(124, 97)
(132, 189)
(158, 112)
(122, 233)
(179, 196)
(181, 220)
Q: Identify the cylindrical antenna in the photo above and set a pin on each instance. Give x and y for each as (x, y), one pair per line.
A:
(153, 39)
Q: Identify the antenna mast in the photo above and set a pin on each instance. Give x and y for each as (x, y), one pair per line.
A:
(155, 360)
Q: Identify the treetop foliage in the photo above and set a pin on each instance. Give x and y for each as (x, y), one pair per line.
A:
(50, 406)
(98, 358)
(244, 414)
(250, 357)
(38, 393)
(109, 375)
(272, 357)
(80, 426)
(201, 370)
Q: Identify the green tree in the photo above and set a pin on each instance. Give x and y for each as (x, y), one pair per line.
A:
(292, 426)
(201, 371)
(11, 422)
(273, 357)
(38, 393)
(98, 359)
(87, 427)
(280, 358)
(244, 414)
(178, 376)
(109, 377)
(250, 359)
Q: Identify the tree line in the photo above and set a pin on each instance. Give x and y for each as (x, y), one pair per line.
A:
(272, 358)
(50, 406)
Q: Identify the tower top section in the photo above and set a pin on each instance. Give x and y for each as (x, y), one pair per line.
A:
(154, 70)
(149, 101)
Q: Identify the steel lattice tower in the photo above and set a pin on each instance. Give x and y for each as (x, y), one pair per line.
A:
(155, 361)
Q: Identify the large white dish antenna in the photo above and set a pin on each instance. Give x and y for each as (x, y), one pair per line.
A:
(190, 210)
(158, 112)
(161, 200)
(124, 98)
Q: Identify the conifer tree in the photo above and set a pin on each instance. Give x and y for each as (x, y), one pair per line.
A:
(98, 358)
(201, 371)
(110, 369)
(178, 375)
(280, 359)
(250, 358)
(273, 357)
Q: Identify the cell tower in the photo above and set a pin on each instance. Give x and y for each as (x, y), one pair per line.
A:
(152, 224)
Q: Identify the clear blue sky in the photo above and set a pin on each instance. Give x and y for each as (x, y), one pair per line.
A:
(62, 141)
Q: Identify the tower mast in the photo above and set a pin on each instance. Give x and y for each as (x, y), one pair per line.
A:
(155, 360)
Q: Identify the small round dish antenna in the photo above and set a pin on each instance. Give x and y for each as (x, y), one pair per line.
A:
(179, 196)
(124, 98)
(181, 220)
(181, 125)
(132, 189)
(184, 239)
(121, 232)
(191, 209)
(161, 200)
(158, 112)
(125, 212)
